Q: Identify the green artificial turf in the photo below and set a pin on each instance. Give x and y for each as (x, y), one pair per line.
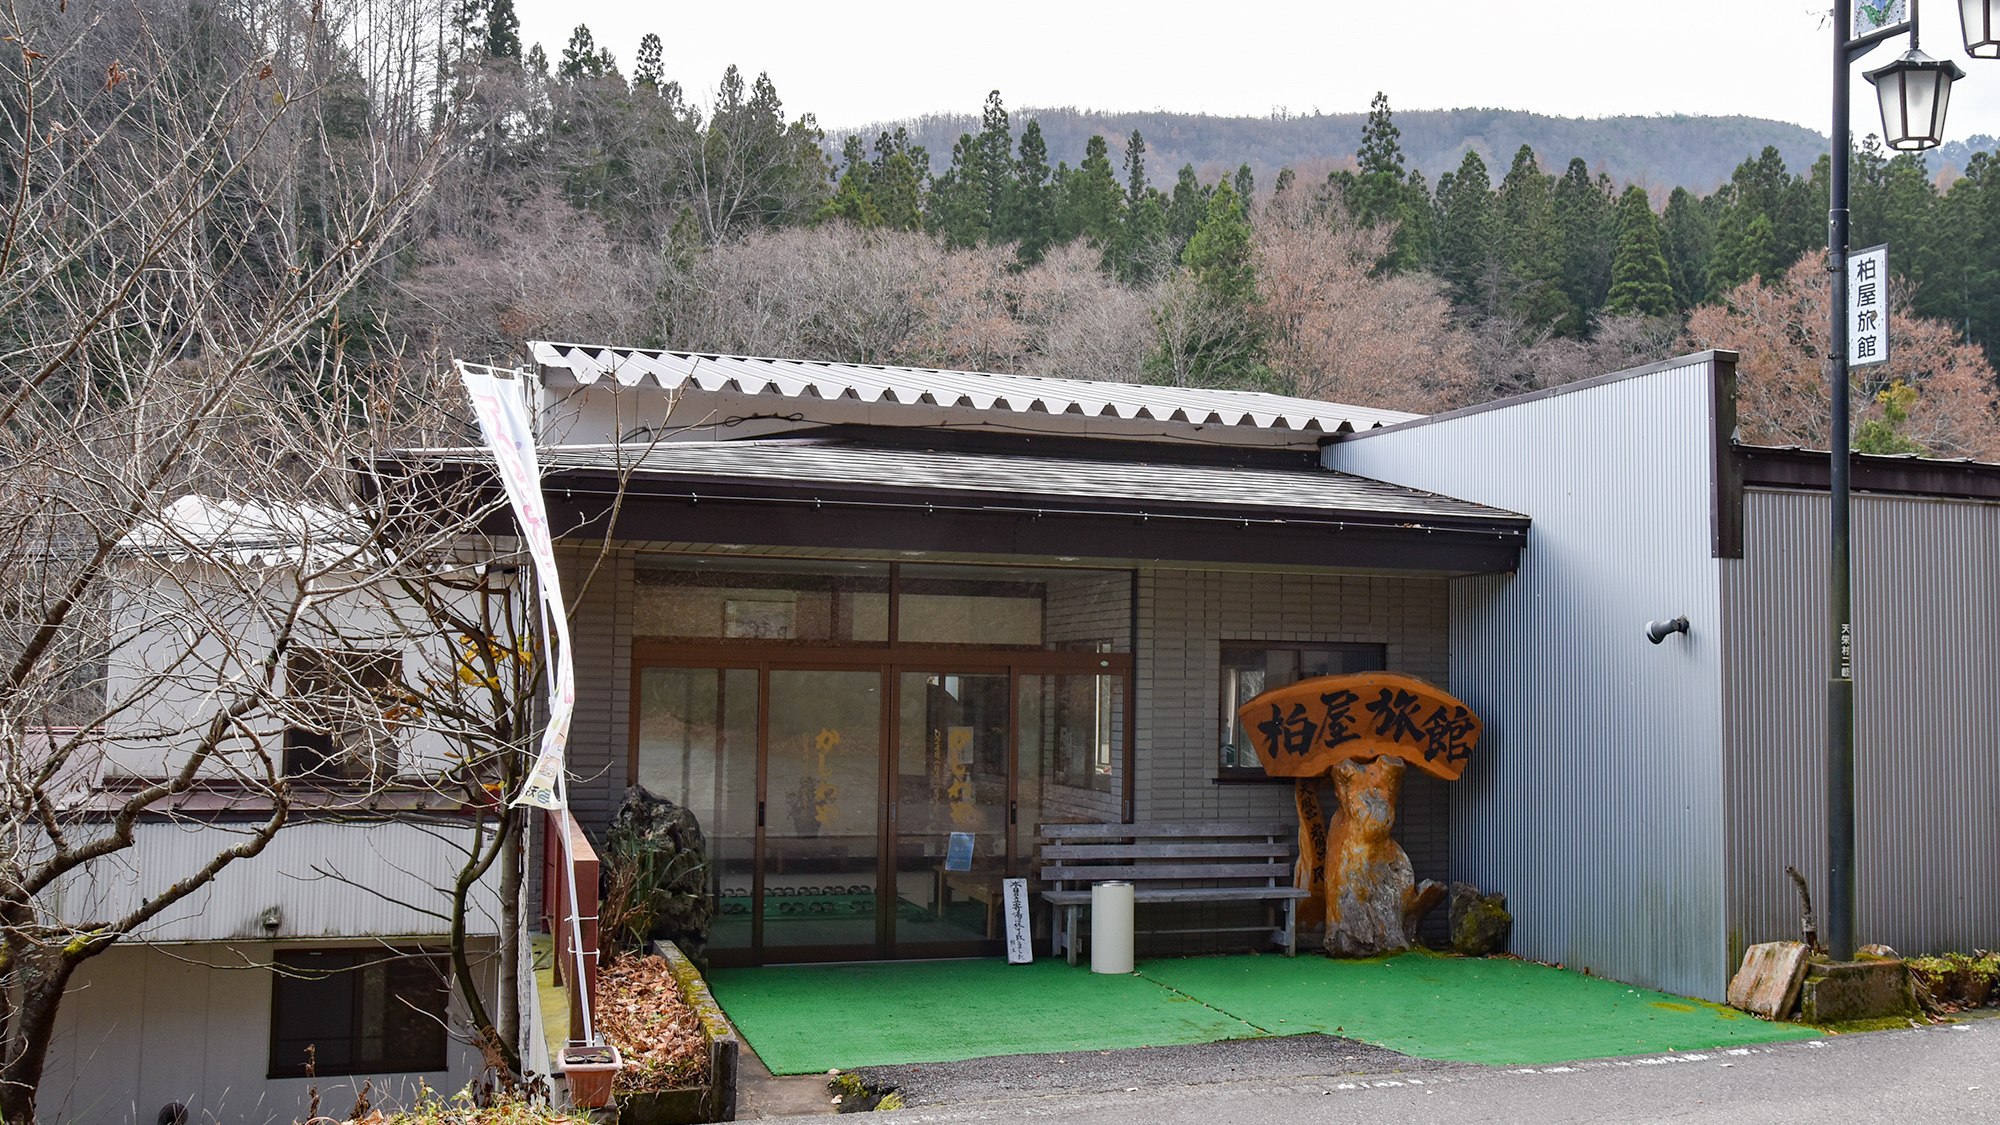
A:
(808, 1019)
(1492, 1010)
(805, 1019)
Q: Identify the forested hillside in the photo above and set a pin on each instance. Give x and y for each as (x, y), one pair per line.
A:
(587, 196)
(1660, 152)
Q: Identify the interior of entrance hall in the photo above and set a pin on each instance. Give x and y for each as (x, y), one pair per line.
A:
(869, 746)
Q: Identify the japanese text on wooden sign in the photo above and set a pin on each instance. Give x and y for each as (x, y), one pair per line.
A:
(1303, 729)
(1868, 306)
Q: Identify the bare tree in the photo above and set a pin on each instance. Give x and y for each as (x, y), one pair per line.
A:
(1194, 331)
(1935, 395)
(838, 292)
(1340, 331)
(178, 227)
(541, 270)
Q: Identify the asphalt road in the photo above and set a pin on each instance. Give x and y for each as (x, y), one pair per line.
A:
(1946, 1073)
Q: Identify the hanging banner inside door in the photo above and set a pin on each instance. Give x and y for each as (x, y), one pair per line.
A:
(504, 421)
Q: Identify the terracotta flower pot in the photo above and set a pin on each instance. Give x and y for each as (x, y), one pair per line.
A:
(589, 1071)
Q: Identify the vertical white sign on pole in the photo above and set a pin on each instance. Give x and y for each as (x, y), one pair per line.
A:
(1020, 945)
(1868, 306)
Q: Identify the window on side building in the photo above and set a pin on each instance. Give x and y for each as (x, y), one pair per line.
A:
(345, 709)
(1250, 668)
(357, 1011)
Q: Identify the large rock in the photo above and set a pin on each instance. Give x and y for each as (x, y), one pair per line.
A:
(1479, 922)
(1856, 990)
(1768, 983)
(656, 869)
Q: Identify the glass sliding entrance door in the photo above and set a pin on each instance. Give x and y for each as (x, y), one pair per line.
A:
(951, 799)
(697, 747)
(869, 746)
(823, 816)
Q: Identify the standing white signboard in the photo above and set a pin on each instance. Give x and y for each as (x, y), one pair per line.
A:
(1868, 306)
(1020, 947)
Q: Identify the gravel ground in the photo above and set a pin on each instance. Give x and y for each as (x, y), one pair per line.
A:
(1081, 1072)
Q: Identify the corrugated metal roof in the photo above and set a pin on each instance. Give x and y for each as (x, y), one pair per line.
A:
(1024, 479)
(978, 390)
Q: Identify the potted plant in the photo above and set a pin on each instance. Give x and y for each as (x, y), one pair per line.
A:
(589, 1072)
(1981, 969)
(1932, 976)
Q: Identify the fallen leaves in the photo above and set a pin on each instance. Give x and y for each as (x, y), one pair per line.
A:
(639, 1008)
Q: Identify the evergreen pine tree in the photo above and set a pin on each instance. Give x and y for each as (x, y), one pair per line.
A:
(996, 159)
(1688, 240)
(898, 196)
(854, 199)
(1221, 255)
(1030, 213)
(648, 70)
(1221, 263)
(503, 31)
(1746, 246)
(1465, 228)
(579, 59)
(1381, 192)
(1135, 170)
(1092, 204)
(1639, 281)
(1415, 245)
(1246, 187)
(1585, 218)
(1143, 244)
(1187, 208)
(958, 209)
(1530, 246)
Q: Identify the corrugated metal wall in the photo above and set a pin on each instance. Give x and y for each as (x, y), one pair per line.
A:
(328, 879)
(1927, 718)
(1595, 798)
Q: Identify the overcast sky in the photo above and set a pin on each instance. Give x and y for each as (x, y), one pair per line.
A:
(855, 63)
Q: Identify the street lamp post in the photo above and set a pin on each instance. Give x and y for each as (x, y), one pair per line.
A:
(1913, 92)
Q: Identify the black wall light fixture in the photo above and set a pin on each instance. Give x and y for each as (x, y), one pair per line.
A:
(1657, 631)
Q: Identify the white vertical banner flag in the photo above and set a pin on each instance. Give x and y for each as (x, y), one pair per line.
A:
(1868, 306)
(497, 403)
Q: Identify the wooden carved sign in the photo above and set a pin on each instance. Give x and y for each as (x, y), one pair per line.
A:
(1357, 732)
(1305, 729)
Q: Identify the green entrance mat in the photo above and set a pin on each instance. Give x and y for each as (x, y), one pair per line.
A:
(805, 1019)
(809, 1019)
(1492, 1010)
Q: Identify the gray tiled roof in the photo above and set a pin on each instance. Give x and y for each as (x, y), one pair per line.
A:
(834, 465)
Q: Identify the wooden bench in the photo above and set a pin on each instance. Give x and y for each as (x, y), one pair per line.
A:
(1173, 861)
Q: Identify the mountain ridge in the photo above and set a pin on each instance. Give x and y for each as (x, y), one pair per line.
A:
(1662, 151)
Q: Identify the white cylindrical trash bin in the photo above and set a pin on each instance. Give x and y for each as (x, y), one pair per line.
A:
(1111, 927)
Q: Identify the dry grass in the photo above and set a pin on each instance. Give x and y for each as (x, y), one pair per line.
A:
(640, 1008)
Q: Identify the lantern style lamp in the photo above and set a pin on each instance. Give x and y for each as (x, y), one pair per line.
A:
(1982, 27)
(1914, 91)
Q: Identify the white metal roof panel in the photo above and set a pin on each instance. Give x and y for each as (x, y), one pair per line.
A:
(978, 390)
